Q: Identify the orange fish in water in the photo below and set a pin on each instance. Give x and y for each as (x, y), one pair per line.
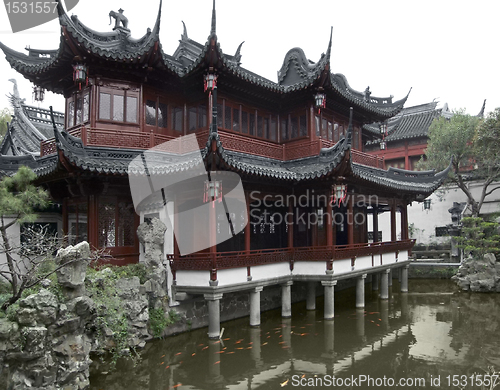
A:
(239, 341)
(377, 324)
(217, 362)
(178, 353)
(162, 355)
(167, 367)
(265, 343)
(177, 385)
(201, 345)
(161, 363)
(229, 338)
(373, 312)
(250, 343)
(285, 347)
(205, 348)
(304, 334)
(268, 337)
(220, 352)
(229, 353)
(303, 376)
(380, 319)
(240, 348)
(284, 383)
(281, 335)
(193, 354)
(249, 347)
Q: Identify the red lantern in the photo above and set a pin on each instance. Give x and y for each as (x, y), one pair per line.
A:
(80, 75)
(210, 82)
(213, 191)
(339, 193)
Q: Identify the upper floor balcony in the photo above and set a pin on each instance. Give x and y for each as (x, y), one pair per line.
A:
(239, 143)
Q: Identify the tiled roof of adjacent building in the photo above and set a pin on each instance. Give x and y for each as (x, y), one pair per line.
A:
(29, 126)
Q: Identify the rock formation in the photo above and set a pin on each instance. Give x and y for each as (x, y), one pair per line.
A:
(479, 275)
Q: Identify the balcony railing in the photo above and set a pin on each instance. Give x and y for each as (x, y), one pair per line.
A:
(227, 260)
(230, 141)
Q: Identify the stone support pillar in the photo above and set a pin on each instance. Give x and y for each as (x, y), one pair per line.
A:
(311, 296)
(213, 302)
(360, 291)
(390, 277)
(329, 299)
(255, 306)
(286, 299)
(404, 279)
(384, 284)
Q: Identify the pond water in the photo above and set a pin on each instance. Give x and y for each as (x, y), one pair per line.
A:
(433, 337)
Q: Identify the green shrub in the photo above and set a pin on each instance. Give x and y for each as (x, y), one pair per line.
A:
(479, 236)
(158, 320)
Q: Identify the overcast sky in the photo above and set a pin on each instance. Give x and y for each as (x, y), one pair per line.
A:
(444, 50)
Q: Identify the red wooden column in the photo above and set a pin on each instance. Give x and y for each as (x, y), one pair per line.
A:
(404, 222)
(247, 227)
(350, 219)
(65, 223)
(375, 224)
(212, 231)
(290, 226)
(329, 230)
(393, 220)
(93, 218)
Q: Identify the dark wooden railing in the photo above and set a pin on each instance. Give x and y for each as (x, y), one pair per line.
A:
(328, 254)
(231, 141)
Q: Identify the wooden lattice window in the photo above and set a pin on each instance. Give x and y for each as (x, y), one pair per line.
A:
(78, 108)
(116, 222)
(77, 222)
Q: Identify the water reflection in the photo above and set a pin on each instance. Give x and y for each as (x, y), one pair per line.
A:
(429, 333)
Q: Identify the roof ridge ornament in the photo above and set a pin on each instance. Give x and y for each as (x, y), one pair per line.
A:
(212, 30)
(119, 18)
(184, 36)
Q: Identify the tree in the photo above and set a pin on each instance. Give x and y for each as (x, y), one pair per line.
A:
(5, 118)
(19, 198)
(479, 237)
(475, 150)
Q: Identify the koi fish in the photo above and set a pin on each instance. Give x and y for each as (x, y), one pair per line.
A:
(284, 383)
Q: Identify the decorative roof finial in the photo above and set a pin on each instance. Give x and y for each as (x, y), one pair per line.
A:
(237, 55)
(212, 31)
(367, 94)
(481, 113)
(184, 35)
(329, 45)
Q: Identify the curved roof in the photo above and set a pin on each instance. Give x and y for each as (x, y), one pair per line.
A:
(144, 57)
(411, 122)
(29, 126)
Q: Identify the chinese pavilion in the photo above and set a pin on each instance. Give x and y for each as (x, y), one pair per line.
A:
(299, 136)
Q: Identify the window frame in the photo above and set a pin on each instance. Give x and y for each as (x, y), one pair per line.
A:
(71, 113)
(126, 94)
